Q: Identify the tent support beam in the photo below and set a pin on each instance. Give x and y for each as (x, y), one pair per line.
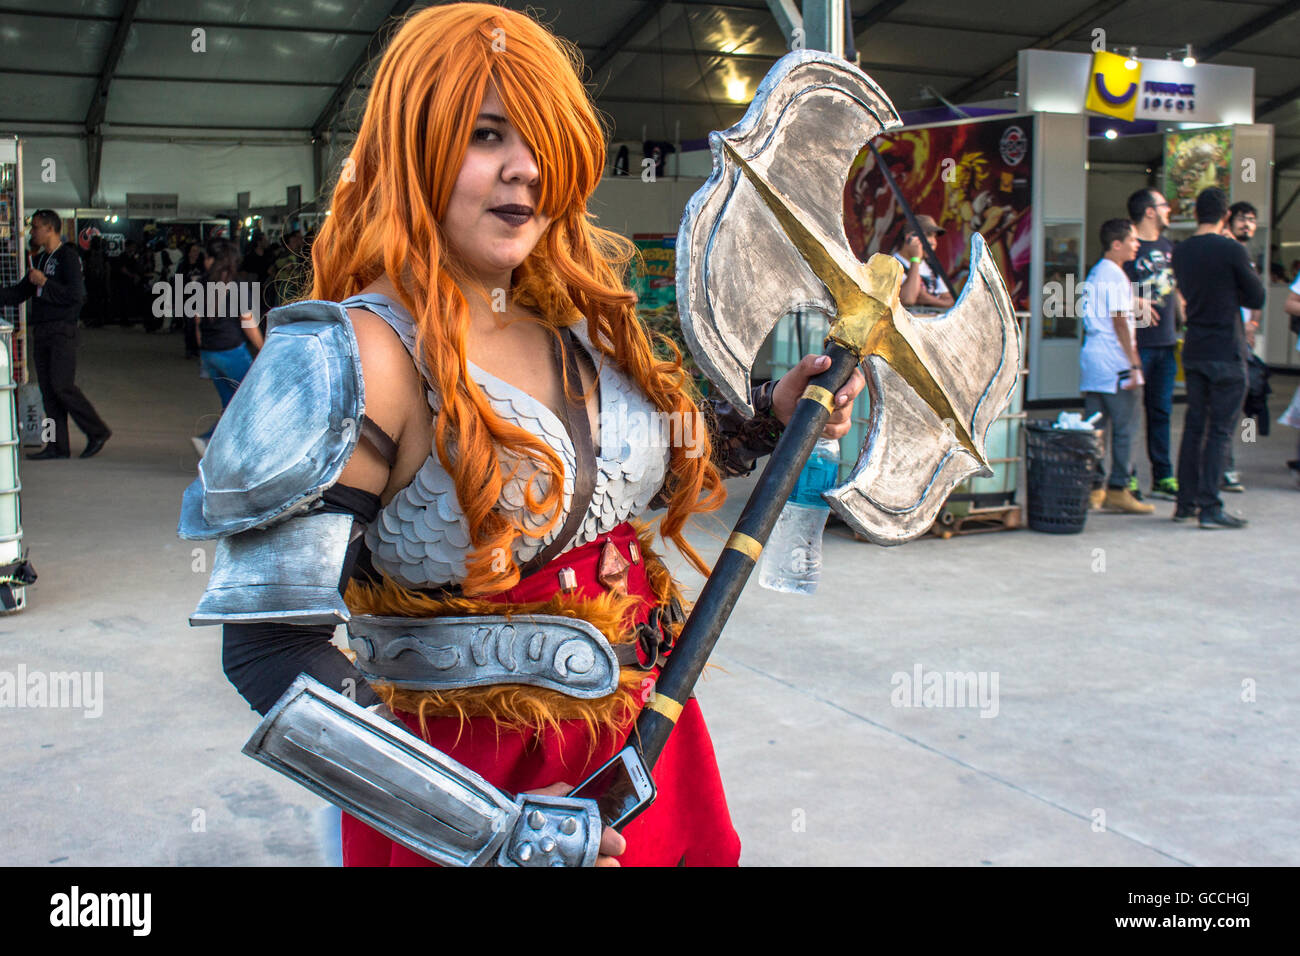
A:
(318, 164)
(1063, 32)
(620, 39)
(98, 107)
(378, 41)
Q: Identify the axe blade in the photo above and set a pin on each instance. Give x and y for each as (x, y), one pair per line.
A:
(911, 459)
(737, 270)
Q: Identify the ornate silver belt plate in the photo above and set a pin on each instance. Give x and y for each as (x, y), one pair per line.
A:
(444, 653)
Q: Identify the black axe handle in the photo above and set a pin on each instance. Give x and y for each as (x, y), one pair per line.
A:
(732, 570)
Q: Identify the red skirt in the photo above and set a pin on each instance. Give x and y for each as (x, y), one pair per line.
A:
(688, 824)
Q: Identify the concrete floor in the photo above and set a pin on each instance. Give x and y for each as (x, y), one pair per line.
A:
(1125, 730)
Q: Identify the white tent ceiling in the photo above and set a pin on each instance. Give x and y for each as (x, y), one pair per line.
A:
(126, 77)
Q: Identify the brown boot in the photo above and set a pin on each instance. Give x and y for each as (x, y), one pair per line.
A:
(1121, 499)
(1096, 497)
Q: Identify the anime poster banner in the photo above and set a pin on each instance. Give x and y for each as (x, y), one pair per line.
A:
(969, 177)
(1195, 160)
(654, 272)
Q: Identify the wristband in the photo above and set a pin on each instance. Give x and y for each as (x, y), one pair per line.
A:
(914, 259)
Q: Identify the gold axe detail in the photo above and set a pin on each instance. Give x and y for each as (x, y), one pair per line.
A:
(765, 237)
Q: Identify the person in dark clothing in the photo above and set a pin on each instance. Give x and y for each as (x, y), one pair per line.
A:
(223, 333)
(191, 269)
(259, 258)
(1157, 338)
(55, 285)
(258, 262)
(1217, 281)
(1243, 218)
(153, 268)
(288, 271)
(126, 278)
(96, 272)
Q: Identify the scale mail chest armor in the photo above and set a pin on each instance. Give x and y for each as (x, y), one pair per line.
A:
(279, 450)
(420, 539)
(288, 538)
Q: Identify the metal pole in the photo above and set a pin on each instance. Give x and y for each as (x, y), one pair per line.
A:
(930, 257)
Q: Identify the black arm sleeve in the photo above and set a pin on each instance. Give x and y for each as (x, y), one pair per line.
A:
(1248, 285)
(20, 291)
(263, 659)
(738, 442)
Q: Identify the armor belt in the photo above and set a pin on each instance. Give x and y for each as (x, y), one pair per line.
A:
(564, 654)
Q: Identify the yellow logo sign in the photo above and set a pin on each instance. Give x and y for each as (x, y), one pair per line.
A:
(1113, 86)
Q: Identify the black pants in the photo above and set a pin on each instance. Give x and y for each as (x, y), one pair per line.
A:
(191, 336)
(1215, 391)
(54, 353)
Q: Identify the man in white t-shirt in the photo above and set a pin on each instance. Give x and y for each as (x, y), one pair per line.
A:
(1110, 371)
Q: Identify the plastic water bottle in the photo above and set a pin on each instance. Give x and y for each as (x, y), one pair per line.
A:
(792, 559)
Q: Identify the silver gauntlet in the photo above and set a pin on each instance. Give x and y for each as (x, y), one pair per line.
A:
(414, 794)
(553, 831)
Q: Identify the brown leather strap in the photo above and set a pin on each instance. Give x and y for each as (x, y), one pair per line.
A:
(584, 479)
(378, 440)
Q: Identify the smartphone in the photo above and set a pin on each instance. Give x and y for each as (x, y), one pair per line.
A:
(622, 789)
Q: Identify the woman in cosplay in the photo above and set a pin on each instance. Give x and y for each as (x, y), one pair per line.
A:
(517, 422)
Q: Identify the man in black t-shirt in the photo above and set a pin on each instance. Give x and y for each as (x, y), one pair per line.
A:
(1157, 334)
(1217, 281)
(55, 285)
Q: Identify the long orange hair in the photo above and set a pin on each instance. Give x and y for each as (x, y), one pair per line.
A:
(385, 220)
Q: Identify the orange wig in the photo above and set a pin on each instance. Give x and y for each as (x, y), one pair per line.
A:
(386, 217)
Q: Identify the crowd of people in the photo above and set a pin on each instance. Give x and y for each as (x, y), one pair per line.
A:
(1139, 294)
(69, 287)
(119, 288)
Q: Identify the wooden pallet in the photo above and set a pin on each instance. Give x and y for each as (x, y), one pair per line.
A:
(1001, 518)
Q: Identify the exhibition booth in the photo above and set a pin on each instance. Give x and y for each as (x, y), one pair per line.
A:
(1197, 117)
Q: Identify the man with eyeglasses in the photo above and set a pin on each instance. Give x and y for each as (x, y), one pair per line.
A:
(1243, 220)
(1157, 332)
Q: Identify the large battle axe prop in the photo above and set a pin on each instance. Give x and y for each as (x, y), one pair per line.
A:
(764, 237)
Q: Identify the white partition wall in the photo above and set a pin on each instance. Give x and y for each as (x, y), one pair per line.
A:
(12, 250)
(1252, 182)
(1059, 204)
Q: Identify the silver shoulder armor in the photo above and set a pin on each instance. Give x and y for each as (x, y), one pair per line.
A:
(281, 443)
(289, 430)
(412, 793)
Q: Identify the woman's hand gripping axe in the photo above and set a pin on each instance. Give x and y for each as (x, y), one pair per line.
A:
(765, 236)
